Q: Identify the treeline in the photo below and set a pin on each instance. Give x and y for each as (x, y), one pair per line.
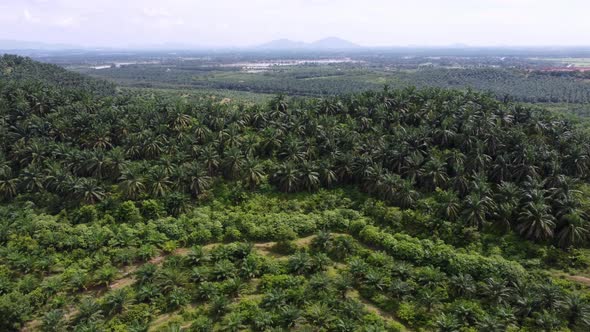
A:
(502, 83)
(507, 83)
(13, 67)
(579, 74)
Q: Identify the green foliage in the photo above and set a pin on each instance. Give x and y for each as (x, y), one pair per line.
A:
(441, 209)
(284, 247)
(152, 209)
(17, 68)
(128, 213)
(407, 312)
(86, 214)
(509, 81)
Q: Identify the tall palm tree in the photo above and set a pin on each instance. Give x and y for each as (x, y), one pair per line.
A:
(496, 291)
(476, 209)
(89, 191)
(159, 182)
(201, 132)
(344, 167)
(8, 188)
(131, 185)
(309, 176)
(253, 173)
(116, 163)
(209, 156)
(388, 185)
(31, 180)
(504, 216)
(233, 163)
(572, 229)
(406, 195)
(287, 177)
(435, 173)
(197, 179)
(154, 147)
(97, 164)
(450, 205)
(535, 221)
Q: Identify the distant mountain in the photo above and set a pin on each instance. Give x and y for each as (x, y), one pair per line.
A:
(281, 44)
(333, 43)
(330, 43)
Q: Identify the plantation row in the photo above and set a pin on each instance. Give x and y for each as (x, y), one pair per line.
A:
(326, 80)
(421, 283)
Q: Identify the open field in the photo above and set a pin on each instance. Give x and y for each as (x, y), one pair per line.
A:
(577, 62)
(520, 79)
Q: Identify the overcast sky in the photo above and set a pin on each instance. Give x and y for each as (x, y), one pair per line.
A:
(123, 23)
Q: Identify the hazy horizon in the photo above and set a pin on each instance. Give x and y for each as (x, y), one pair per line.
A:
(227, 23)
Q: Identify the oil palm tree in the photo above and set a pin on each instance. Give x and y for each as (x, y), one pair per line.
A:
(253, 173)
(535, 221)
(287, 177)
(89, 191)
(572, 229)
(233, 162)
(209, 156)
(8, 188)
(496, 291)
(576, 311)
(54, 321)
(309, 176)
(131, 184)
(434, 173)
(477, 208)
(159, 182)
(195, 176)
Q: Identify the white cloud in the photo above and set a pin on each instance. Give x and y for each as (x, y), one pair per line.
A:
(29, 18)
(153, 12)
(66, 22)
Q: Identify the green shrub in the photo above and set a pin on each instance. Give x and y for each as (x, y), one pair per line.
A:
(405, 247)
(232, 234)
(284, 247)
(85, 214)
(407, 312)
(169, 246)
(152, 209)
(128, 213)
(14, 310)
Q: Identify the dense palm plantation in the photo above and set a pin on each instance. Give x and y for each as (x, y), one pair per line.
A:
(99, 188)
(498, 164)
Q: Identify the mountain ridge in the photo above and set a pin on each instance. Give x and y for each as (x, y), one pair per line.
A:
(321, 44)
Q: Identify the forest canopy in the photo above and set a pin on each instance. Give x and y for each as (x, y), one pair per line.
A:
(384, 210)
(17, 68)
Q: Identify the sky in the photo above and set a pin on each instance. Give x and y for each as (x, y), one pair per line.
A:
(239, 23)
